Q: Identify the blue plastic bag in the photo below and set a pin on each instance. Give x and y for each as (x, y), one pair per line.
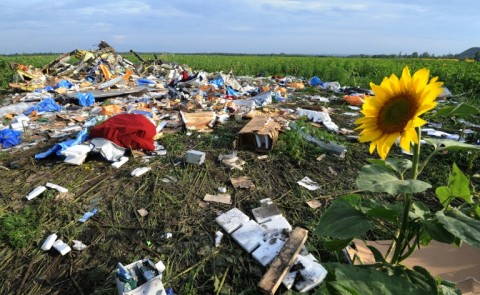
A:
(218, 81)
(315, 81)
(46, 105)
(57, 148)
(145, 82)
(10, 137)
(85, 99)
(232, 92)
(64, 84)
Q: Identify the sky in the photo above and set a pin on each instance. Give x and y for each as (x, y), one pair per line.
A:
(241, 26)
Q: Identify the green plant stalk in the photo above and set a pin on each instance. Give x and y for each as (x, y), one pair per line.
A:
(402, 240)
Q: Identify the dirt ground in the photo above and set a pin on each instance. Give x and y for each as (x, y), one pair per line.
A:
(117, 233)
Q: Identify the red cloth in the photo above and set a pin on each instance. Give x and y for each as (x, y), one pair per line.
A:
(127, 130)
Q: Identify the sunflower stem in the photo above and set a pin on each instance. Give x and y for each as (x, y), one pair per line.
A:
(403, 238)
(416, 154)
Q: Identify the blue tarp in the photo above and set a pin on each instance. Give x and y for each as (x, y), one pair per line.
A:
(232, 92)
(57, 148)
(315, 81)
(46, 105)
(85, 99)
(10, 137)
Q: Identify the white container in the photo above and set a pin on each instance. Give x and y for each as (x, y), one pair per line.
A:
(48, 243)
(36, 192)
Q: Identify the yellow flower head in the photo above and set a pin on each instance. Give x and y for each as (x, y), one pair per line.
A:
(395, 108)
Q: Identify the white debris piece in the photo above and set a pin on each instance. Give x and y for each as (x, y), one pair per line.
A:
(309, 184)
(232, 220)
(249, 235)
(78, 245)
(140, 171)
(195, 157)
(36, 192)
(48, 243)
(218, 238)
(61, 247)
(120, 162)
(56, 187)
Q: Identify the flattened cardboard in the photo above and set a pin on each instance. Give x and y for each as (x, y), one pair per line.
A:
(260, 134)
(456, 264)
(201, 121)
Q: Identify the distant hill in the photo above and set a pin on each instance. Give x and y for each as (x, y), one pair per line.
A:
(469, 53)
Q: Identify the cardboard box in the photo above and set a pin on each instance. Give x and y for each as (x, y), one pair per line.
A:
(460, 265)
(260, 134)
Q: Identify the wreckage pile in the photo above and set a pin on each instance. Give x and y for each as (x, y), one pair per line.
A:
(99, 102)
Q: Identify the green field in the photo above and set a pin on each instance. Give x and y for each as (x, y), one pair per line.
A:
(460, 77)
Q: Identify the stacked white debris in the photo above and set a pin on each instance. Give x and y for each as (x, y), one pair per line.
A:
(322, 117)
(265, 238)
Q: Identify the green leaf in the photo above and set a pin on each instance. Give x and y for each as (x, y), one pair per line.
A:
(444, 195)
(342, 221)
(446, 144)
(377, 255)
(367, 280)
(419, 210)
(353, 199)
(388, 212)
(438, 232)
(461, 226)
(380, 179)
(336, 245)
(421, 275)
(458, 184)
(397, 165)
(460, 110)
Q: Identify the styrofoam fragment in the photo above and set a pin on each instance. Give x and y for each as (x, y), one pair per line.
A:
(75, 160)
(36, 192)
(268, 251)
(265, 212)
(48, 243)
(231, 220)
(140, 171)
(277, 223)
(266, 201)
(311, 272)
(249, 235)
(56, 187)
(120, 162)
(195, 157)
(312, 276)
(61, 247)
(218, 238)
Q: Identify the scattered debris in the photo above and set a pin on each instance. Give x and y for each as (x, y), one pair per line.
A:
(87, 215)
(142, 212)
(220, 198)
(218, 238)
(242, 182)
(195, 157)
(314, 204)
(140, 171)
(309, 184)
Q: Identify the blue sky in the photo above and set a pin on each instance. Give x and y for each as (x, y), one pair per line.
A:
(242, 26)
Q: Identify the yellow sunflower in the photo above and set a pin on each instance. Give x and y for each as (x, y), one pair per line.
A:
(395, 108)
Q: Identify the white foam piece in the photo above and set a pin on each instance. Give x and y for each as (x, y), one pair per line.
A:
(313, 275)
(120, 162)
(277, 223)
(232, 220)
(268, 251)
(48, 243)
(36, 192)
(195, 157)
(140, 171)
(61, 247)
(75, 160)
(249, 235)
(56, 187)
